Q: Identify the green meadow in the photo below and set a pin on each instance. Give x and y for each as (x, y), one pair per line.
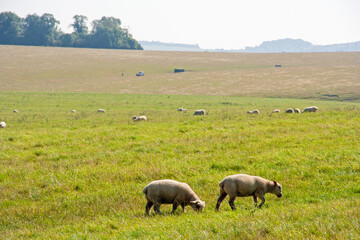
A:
(80, 175)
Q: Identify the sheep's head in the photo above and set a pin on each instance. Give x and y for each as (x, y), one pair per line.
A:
(277, 189)
(134, 118)
(197, 205)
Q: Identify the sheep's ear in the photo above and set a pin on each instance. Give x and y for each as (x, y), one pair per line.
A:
(193, 201)
(275, 183)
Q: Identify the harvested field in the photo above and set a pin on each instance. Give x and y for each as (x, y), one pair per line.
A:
(302, 75)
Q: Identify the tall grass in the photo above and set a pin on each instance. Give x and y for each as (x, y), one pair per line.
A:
(66, 175)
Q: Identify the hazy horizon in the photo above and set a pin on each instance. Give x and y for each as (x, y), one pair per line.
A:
(229, 25)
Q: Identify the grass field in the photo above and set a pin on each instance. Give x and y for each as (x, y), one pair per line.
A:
(303, 75)
(80, 176)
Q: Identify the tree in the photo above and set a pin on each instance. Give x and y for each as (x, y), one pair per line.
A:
(41, 31)
(107, 33)
(79, 24)
(67, 40)
(50, 29)
(10, 28)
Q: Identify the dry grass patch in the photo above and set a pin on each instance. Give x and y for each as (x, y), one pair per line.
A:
(97, 70)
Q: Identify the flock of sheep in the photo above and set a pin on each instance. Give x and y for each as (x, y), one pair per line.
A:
(289, 110)
(179, 193)
(198, 113)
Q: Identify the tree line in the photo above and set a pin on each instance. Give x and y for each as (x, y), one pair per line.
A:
(35, 30)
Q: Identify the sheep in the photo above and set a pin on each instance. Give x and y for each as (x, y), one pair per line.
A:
(253, 112)
(15, 111)
(296, 110)
(2, 125)
(171, 192)
(182, 109)
(243, 185)
(276, 111)
(310, 109)
(101, 110)
(73, 111)
(289, 110)
(139, 118)
(199, 112)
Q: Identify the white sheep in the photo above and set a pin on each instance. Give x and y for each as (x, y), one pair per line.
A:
(2, 125)
(199, 112)
(16, 111)
(296, 110)
(182, 109)
(139, 118)
(310, 109)
(253, 112)
(73, 111)
(242, 185)
(101, 110)
(289, 110)
(171, 192)
(276, 111)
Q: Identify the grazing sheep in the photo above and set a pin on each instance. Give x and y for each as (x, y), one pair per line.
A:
(253, 112)
(171, 192)
(73, 111)
(101, 110)
(289, 110)
(182, 109)
(276, 111)
(296, 110)
(242, 185)
(16, 111)
(139, 118)
(199, 112)
(310, 109)
(2, 125)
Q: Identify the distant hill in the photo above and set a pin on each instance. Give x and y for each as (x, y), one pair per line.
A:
(275, 46)
(161, 46)
(299, 45)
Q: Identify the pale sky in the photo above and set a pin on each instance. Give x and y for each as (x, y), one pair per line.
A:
(227, 24)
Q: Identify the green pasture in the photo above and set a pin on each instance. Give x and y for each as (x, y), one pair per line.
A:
(80, 175)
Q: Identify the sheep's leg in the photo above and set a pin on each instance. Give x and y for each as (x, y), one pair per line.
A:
(183, 207)
(232, 204)
(157, 208)
(255, 200)
(261, 196)
(148, 207)
(175, 205)
(219, 201)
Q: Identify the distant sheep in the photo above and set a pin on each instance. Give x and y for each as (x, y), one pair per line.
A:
(296, 110)
(16, 111)
(73, 111)
(289, 110)
(199, 112)
(2, 125)
(242, 185)
(171, 192)
(276, 111)
(182, 109)
(139, 118)
(253, 112)
(101, 110)
(310, 109)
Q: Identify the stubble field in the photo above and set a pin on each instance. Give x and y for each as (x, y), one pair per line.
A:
(80, 175)
(303, 75)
